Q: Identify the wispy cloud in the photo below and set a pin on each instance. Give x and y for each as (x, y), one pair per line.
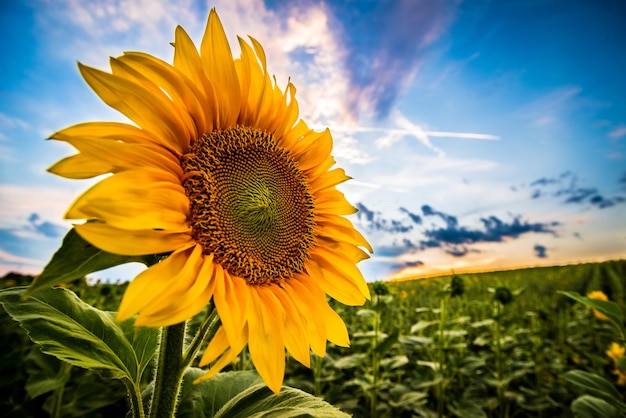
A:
(552, 107)
(386, 43)
(618, 132)
(567, 187)
(97, 29)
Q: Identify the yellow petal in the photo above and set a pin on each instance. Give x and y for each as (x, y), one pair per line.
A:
(227, 357)
(116, 131)
(340, 229)
(290, 113)
(266, 341)
(138, 242)
(218, 345)
(348, 251)
(249, 74)
(217, 62)
(317, 152)
(231, 299)
(329, 179)
(121, 68)
(80, 166)
(139, 104)
(180, 305)
(292, 136)
(187, 60)
(126, 156)
(336, 330)
(177, 85)
(160, 282)
(296, 339)
(307, 296)
(320, 169)
(135, 200)
(339, 287)
(332, 201)
(338, 264)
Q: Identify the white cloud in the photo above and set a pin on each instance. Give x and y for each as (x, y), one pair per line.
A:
(552, 107)
(91, 31)
(8, 121)
(618, 132)
(18, 202)
(6, 257)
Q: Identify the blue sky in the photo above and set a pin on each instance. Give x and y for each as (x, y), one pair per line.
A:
(480, 134)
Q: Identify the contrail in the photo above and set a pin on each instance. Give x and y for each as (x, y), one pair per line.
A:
(439, 134)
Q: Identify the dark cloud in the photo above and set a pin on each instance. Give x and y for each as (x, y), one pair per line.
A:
(566, 186)
(540, 251)
(414, 217)
(451, 221)
(411, 235)
(376, 222)
(45, 228)
(455, 239)
(603, 202)
(386, 42)
(544, 181)
(460, 251)
(577, 195)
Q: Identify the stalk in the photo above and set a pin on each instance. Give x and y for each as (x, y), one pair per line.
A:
(441, 355)
(169, 373)
(375, 368)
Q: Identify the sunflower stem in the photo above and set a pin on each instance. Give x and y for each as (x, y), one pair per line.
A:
(169, 373)
(134, 397)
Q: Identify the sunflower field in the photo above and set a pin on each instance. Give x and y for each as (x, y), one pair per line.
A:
(520, 343)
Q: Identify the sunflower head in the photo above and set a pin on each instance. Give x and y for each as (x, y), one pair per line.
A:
(598, 295)
(616, 352)
(218, 171)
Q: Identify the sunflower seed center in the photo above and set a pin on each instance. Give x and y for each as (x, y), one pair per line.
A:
(250, 204)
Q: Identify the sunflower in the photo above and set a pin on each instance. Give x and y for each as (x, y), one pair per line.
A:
(218, 171)
(598, 295)
(616, 352)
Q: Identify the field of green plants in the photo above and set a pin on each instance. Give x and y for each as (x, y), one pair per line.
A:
(502, 344)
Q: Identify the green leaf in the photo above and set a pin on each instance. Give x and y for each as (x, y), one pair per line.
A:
(594, 385)
(610, 309)
(144, 341)
(467, 409)
(87, 395)
(394, 362)
(590, 407)
(410, 399)
(258, 401)
(621, 362)
(351, 361)
(75, 259)
(45, 373)
(205, 399)
(422, 325)
(385, 343)
(73, 331)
